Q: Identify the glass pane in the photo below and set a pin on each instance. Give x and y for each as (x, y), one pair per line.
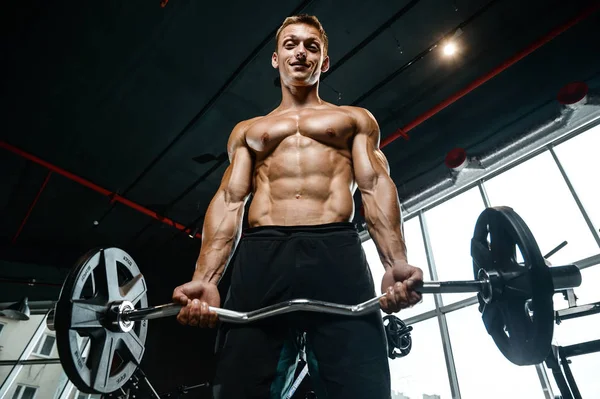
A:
(43, 377)
(451, 226)
(478, 359)
(416, 257)
(574, 331)
(4, 372)
(588, 291)
(28, 393)
(17, 392)
(579, 157)
(16, 335)
(539, 194)
(48, 345)
(423, 371)
(584, 369)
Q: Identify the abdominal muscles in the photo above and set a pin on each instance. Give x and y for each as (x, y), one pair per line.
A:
(302, 182)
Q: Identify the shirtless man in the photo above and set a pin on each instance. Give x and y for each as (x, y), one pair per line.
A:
(301, 163)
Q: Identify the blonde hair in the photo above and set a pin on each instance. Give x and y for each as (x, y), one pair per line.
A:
(308, 20)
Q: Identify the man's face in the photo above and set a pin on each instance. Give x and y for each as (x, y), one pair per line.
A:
(299, 55)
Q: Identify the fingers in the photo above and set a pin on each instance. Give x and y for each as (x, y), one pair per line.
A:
(414, 298)
(179, 297)
(212, 322)
(184, 315)
(413, 295)
(396, 297)
(197, 314)
(400, 296)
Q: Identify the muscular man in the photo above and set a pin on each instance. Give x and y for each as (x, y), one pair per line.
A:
(301, 163)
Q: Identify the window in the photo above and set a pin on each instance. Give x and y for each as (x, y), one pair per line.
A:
(423, 371)
(416, 257)
(14, 337)
(588, 291)
(450, 226)
(539, 194)
(477, 358)
(584, 367)
(44, 345)
(579, 158)
(24, 392)
(585, 370)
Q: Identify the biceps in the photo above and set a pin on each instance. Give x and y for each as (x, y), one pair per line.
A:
(370, 163)
(237, 180)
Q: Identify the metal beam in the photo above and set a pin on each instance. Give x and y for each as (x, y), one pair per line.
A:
(484, 195)
(446, 345)
(28, 362)
(588, 262)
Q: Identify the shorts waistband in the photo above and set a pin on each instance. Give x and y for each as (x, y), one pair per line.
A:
(279, 231)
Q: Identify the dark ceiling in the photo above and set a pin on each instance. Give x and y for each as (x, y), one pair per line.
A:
(139, 99)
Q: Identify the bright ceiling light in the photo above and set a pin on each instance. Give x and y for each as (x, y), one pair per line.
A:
(449, 49)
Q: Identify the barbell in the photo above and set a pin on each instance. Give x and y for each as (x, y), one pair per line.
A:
(104, 299)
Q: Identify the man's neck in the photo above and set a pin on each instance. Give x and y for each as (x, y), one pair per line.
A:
(299, 96)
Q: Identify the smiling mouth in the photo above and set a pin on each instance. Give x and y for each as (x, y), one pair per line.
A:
(298, 64)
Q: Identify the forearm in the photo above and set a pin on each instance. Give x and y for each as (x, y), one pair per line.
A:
(382, 214)
(221, 232)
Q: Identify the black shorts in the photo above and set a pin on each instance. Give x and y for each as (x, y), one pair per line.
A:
(346, 355)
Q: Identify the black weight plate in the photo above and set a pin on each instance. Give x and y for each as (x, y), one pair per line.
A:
(520, 315)
(98, 279)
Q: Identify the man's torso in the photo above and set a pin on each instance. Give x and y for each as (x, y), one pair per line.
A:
(302, 166)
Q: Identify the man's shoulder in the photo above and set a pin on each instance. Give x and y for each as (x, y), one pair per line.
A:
(362, 116)
(360, 113)
(237, 137)
(242, 126)
(239, 130)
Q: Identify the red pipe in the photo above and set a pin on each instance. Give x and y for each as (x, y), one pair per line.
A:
(401, 132)
(35, 200)
(113, 196)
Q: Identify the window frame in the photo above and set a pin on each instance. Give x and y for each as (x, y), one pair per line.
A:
(21, 388)
(40, 345)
